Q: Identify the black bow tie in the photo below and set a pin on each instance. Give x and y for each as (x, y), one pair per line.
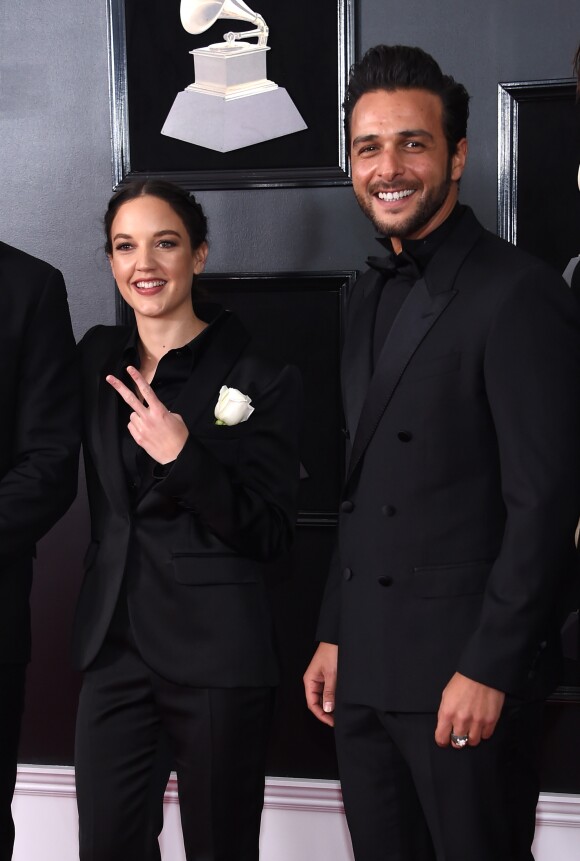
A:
(395, 264)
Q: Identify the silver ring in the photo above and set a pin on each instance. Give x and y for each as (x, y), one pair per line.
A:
(459, 740)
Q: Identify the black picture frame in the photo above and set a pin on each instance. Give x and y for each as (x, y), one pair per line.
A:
(297, 318)
(538, 155)
(149, 63)
(539, 210)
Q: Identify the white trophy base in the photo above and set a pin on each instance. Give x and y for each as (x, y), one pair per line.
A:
(214, 122)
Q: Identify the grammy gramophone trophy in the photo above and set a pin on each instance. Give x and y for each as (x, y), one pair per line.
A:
(232, 104)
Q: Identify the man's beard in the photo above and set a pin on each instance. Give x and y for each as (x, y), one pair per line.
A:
(413, 223)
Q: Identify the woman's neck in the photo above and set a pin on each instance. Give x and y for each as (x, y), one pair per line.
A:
(158, 337)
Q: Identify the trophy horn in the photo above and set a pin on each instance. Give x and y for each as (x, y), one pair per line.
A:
(197, 16)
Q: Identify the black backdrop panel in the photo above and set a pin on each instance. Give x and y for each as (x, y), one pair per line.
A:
(539, 201)
(297, 318)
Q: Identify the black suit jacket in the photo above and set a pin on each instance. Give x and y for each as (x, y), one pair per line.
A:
(456, 539)
(195, 548)
(39, 429)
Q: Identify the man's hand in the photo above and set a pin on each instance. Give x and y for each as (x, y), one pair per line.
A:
(162, 434)
(320, 682)
(468, 708)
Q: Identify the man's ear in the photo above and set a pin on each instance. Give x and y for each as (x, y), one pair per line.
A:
(458, 160)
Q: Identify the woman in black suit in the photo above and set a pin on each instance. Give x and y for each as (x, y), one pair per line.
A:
(190, 500)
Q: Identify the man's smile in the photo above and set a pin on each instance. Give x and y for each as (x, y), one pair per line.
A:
(395, 195)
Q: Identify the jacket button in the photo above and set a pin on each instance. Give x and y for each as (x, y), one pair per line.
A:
(347, 506)
(347, 574)
(405, 436)
(385, 581)
(389, 510)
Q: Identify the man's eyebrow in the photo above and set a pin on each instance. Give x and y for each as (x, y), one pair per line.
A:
(403, 133)
(364, 139)
(415, 133)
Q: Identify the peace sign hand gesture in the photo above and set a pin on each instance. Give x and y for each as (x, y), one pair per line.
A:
(160, 433)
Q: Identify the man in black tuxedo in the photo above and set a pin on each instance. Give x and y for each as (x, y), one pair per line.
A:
(39, 441)
(456, 556)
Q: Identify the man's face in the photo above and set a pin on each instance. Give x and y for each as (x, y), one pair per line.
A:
(402, 175)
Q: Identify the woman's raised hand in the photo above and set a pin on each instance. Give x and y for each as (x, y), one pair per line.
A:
(160, 433)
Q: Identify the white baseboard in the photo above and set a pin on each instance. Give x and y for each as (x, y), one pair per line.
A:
(302, 819)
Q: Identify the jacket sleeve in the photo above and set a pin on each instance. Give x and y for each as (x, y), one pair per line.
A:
(532, 379)
(250, 505)
(329, 618)
(41, 481)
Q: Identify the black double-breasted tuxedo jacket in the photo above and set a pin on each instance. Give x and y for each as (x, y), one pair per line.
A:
(39, 429)
(194, 548)
(462, 494)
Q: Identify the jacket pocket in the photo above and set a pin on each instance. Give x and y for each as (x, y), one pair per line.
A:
(448, 581)
(209, 569)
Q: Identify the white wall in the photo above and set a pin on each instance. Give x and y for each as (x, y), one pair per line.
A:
(303, 819)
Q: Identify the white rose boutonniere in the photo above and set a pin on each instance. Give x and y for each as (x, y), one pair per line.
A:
(232, 407)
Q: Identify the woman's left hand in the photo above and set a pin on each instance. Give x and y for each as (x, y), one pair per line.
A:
(161, 433)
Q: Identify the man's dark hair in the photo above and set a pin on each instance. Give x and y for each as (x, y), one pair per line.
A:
(399, 67)
(576, 67)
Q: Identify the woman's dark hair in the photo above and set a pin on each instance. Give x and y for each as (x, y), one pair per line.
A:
(399, 67)
(183, 204)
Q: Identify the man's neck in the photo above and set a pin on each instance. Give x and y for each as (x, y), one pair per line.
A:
(434, 222)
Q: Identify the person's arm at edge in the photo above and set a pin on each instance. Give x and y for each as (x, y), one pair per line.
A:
(42, 482)
(320, 677)
(474, 697)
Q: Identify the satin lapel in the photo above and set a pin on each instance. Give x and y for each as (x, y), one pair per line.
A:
(107, 439)
(211, 371)
(427, 300)
(200, 393)
(356, 362)
(418, 313)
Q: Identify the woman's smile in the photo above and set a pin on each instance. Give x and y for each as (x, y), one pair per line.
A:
(149, 287)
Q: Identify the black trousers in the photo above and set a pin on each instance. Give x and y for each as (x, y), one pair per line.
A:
(408, 800)
(132, 726)
(12, 678)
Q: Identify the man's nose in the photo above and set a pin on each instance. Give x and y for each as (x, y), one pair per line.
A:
(389, 165)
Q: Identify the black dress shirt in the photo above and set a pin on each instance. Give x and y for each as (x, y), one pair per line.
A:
(401, 271)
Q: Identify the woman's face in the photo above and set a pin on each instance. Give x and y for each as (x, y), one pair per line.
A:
(152, 259)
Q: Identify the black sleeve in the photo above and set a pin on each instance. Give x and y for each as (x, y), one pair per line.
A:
(42, 480)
